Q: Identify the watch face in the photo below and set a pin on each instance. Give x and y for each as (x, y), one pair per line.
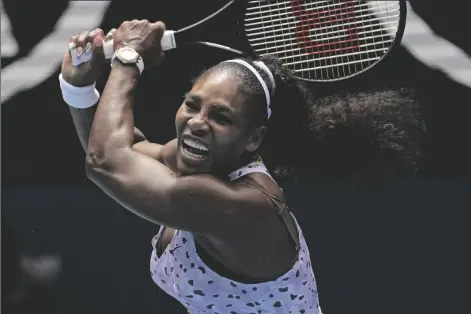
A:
(128, 55)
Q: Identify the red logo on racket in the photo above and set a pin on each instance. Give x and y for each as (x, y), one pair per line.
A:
(332, 18)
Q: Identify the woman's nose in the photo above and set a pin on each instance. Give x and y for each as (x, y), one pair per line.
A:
(198, 125)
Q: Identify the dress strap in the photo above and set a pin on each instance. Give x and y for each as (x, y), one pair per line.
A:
(255, 166)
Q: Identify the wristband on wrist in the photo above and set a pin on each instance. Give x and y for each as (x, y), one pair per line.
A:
(79, 97)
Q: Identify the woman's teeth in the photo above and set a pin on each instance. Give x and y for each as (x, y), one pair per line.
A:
(196, 145)
(195, 149)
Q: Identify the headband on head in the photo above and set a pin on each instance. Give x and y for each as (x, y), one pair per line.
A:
(264, 67)
(260, 79)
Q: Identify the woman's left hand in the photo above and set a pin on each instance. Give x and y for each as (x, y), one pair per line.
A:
(144, 37)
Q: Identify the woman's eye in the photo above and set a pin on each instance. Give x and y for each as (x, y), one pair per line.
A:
(223, 119)
(191, 106)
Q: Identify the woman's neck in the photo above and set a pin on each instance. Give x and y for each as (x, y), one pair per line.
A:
(244, 160)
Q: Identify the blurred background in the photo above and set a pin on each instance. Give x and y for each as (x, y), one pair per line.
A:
(68, 248)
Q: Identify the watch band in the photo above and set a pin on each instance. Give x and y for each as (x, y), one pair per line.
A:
(139, 62)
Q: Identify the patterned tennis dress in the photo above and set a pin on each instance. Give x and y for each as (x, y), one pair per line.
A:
(181, 273)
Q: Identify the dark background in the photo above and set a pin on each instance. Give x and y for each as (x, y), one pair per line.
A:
(402, 250)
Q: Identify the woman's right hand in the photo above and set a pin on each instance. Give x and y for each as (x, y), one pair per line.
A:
(88, 72)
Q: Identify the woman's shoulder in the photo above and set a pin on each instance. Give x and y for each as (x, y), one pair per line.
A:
(264, 182)
(164, 153)
(169, 154)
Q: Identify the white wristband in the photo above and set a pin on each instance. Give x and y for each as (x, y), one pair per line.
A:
(79, 97)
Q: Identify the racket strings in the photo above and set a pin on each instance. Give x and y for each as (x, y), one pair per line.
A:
(323, 40)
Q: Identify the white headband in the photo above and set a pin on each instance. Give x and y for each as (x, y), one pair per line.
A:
(264, 67)
(260, 79)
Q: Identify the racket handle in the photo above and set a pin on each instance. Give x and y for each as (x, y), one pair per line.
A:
(167, 43)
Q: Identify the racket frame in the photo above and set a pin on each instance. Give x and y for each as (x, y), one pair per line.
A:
(394, 45)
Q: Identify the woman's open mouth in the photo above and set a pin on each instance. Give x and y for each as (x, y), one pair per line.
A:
(194, 149)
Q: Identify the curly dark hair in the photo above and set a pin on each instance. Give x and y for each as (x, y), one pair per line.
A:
(363, 136)
(373, 135)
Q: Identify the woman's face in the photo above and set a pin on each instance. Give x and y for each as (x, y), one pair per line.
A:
(213, 125)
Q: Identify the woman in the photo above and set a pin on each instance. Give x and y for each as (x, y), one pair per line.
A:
(228, 243)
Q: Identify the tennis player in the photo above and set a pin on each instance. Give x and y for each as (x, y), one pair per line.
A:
(228, 242)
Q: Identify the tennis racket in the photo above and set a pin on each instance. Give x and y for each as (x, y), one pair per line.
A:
(321, 41)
